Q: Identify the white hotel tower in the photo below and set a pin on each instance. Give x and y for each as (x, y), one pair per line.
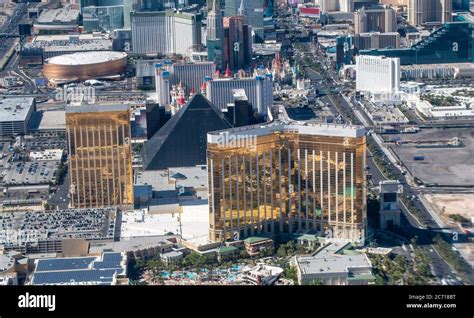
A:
(377, 74)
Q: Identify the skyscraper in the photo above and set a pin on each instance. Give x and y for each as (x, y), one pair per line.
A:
(165, 32)
(375, 19)
(284, 178)
(237, 42)
(426, 11)
(215, 36)
(378, 74)
(99, 156)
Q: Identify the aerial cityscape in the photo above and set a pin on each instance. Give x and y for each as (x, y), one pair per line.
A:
(237, 142)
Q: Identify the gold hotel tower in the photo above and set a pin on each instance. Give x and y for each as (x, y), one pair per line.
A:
(287, 178)
(99, 156)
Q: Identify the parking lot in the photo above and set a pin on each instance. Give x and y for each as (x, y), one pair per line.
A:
(442, 166)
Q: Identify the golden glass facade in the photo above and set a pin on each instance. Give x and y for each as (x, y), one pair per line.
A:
(99, 156)
(284, 179)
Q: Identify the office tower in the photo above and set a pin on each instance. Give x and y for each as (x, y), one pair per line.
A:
(375, 19)
(162, 85)
(428, 11)
(451, 43)
(165, 32)
(215, 36)
(377, 74)
(99, 156)
(259, 91)
(182, 141)
(286, 178)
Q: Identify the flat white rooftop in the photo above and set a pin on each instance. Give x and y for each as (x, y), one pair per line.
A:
(15, 109)
(62, 15)
(86, 58)
(304, 128)
(330, 259)
(192, 224)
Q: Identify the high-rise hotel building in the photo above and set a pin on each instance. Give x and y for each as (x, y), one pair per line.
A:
(287, 178)
(99, 156)
(429, 11)
(377, 74)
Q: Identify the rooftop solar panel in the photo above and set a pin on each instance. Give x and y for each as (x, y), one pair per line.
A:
(74, 277)
(110, 261)
(78, 270)
(62, 264)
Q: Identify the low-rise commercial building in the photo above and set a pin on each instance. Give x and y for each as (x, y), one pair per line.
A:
(15, 114)
(334, 264)
(62, 20)
(254, 245)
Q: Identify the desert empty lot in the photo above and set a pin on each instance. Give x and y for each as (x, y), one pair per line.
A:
(452, 203)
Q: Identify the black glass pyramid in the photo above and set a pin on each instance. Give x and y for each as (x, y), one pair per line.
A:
(182, 141)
